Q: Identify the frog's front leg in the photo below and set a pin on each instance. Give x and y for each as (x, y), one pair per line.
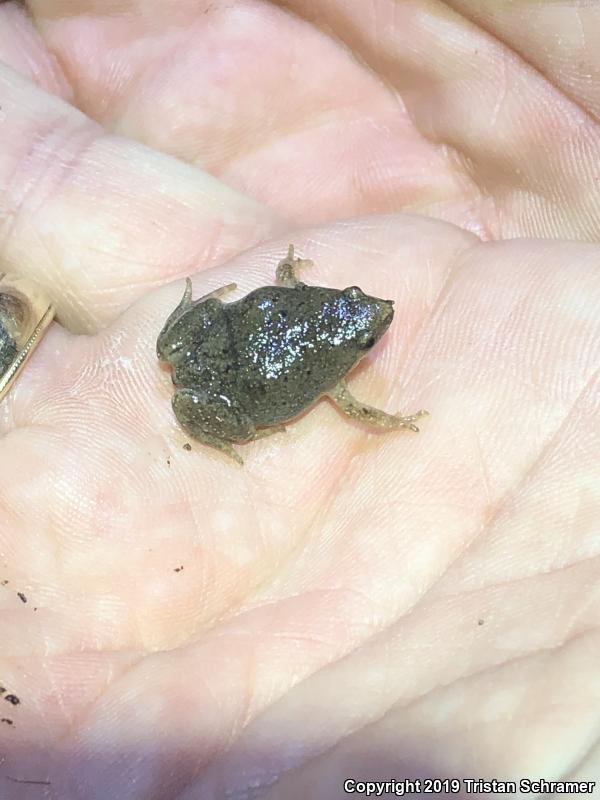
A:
(214, 420)
(341, 396)
(186, 300)
(286, 269)
(219, 292)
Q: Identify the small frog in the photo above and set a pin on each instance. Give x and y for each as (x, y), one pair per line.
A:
(242, 369)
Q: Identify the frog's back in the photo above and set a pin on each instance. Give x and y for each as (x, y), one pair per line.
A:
(289, 349)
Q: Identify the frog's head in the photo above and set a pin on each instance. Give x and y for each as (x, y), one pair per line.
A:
(184, 325)
(368, 318)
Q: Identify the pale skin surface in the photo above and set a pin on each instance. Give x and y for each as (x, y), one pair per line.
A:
(349, 603)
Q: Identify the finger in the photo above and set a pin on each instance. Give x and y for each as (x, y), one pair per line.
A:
(92, 435)
(558, 39)
(23, 49)
(501, 342)
(524, 155)
(429, 113)
(96, 220)
(238, 90)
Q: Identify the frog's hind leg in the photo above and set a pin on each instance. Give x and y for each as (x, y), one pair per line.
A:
(220, 444)
(214, 421)
(286, 269)
(342, 397)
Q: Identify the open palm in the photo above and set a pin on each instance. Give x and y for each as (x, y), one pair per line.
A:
(347, 603)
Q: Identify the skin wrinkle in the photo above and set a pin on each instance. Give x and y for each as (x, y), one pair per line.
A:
(391, 709)
(402, 704)
(511, 661)
(522, 480)
(79, 719)
(245, 711)
(419, 602)
(529, 64)
(502, 95)
(225, 612)
(461, 156)
(571, 771)
(354, 451)
(63, 87)
(575, 767)
(59, 138)
(466, 166)
(8, 215)
(485, 477)
(18, 17)
(327, 32)
(462, 160)
(268, 521)
(61, 287)
(484, 526)
(48, 181)
(356, 448)
(586, 601)
(521, 579)
(478, 672)
(61, 153)
(454, 267)
(58, 59)
(494, 512)
(247, 716)
(480, 25)
(320, 117)
(380, 77)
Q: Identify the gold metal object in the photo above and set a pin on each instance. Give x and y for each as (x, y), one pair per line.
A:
(25, 313)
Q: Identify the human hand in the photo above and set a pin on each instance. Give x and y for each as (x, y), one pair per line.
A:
(349, 603)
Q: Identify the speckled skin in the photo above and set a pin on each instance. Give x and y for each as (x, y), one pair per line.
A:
(245, 366)
(8, 348)
(12, 315)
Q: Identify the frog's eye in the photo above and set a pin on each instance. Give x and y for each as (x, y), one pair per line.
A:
(365, 340)
(353, 292)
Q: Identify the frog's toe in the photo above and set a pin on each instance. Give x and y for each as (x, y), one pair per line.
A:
(286, 269)
(409, 420)
(232, 453)
(224, 447)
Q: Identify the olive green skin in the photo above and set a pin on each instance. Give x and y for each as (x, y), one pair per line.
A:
(12, 315)
(262, 360)
(8, 349)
